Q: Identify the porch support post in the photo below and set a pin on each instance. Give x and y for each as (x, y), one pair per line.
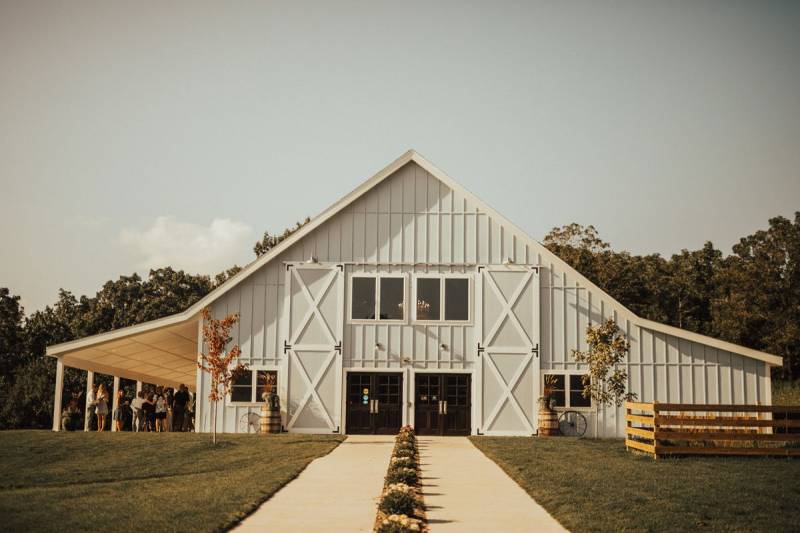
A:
(138, 390)
(89, 385)
(114, 403)
(199, 410)
(58, 393)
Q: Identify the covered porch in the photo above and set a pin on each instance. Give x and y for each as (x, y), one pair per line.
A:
(162, 352)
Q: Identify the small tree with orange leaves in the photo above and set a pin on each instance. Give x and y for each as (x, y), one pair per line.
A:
(220, 363)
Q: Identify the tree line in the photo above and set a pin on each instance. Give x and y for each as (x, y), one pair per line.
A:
(27, 376)
(750, 297)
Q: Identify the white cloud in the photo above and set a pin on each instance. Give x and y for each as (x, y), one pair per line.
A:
(191, 247)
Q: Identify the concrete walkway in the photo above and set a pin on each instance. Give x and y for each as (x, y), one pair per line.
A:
(338, 492)
(466, 491)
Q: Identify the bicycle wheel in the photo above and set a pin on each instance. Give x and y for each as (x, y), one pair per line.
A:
(572, 424)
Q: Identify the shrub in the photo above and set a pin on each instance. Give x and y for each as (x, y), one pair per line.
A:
(405, 445)
(398, 523)
(406, 433)
(399, 498)
(405, 437)
(404, 452)
(403, 462)
(402, 475)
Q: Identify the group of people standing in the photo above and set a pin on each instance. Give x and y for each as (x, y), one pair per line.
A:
(161, 409)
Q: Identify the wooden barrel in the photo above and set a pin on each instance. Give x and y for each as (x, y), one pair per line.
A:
(548, 423)
(270, 420)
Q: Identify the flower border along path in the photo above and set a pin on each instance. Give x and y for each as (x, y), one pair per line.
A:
(401, 508)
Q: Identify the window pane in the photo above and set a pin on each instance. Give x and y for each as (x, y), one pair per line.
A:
(363, 299)
(456, 299)
(576, 398)
(428, 298)
(554, 388)
(392, 298)
(242, 387)
(242, 394)
(244, 378)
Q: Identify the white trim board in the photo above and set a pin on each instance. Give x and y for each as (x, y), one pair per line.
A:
(407, 157)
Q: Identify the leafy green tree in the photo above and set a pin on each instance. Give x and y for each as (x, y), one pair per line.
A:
(692, 287)
(124, 302)
(758, 300)
(52, 325)
(167, 291)
(580, 246)
(11, 333)
(130, 300)
(636, 281)
(270, 241)
(605, 383)
(751, 297)
(225, 275)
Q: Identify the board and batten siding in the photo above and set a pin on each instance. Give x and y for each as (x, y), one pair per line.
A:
(413, 223)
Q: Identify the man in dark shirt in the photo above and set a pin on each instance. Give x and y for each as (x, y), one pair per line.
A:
(179, 402)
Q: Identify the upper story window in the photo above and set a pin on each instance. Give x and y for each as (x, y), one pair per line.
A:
(442, 299)
(378, 297)
(248, 386)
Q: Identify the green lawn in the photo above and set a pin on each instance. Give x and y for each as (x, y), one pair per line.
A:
(144, 481)
(595, 485)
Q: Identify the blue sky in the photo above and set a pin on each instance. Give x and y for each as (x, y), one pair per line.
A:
(136, 136)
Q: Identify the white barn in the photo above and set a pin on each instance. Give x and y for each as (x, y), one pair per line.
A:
(410, 301)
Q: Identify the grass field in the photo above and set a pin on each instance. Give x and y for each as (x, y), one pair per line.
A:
(143, 481)
(595, 485)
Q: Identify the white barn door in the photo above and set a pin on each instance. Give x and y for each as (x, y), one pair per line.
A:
(508, 349)
(312, 346)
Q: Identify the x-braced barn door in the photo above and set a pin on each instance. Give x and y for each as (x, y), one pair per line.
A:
(508, 349)
(312, 346)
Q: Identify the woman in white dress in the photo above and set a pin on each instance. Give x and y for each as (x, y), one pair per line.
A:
(102, 407)
(161, 410)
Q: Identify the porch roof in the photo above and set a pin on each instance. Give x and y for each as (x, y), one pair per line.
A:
(161, 351)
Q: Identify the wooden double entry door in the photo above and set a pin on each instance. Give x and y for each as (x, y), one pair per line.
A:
(442, 404)
(374, 403)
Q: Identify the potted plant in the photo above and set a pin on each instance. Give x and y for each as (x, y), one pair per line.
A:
(548, 419)
(548, 401)
(271, 410)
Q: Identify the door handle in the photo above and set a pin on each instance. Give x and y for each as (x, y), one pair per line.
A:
(371, 406)
(377, 407)
(445, 406)
(441, 408)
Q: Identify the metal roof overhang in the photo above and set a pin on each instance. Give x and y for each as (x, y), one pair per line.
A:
(162, 352)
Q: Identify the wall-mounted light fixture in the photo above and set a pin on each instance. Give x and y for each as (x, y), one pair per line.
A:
(443, 346)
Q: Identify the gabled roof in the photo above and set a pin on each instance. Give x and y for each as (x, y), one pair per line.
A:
(194, 311)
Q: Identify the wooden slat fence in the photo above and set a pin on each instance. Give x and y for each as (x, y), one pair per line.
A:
(706, 429)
